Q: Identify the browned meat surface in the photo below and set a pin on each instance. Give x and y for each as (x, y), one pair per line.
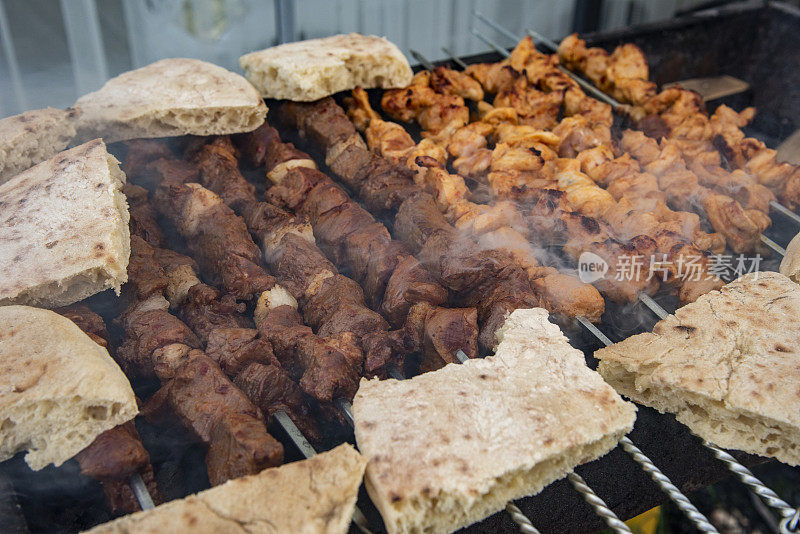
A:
(87, 320)
(115, 454)
(298, 262)
(217, 238)
(418, 220)
(205, 401)
(254, 145)
(142, 152)
(143, 217)
(272, 390)
(145, 333)
(207, 309)
(446, 331)
(383, 259)
(410, 283)
(325, 126)
(145, 275)
(235, 348)
(325, 367)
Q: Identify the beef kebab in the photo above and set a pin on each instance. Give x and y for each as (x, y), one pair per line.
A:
(117, 453)
(219, 322)
(525, 161)
(195, 392)
(329, 366)
(331, 302)
(489, 280)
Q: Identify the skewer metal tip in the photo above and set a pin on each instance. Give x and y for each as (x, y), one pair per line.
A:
(496, 47)
(454, 58)
(773, 245)
(654, 306)
(587, 324)
(346, 407)
(294, 434)
(549, 43)
(777, 206)
(141, 493)
(425, 62)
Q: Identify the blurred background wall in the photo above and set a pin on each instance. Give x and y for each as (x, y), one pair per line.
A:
(52, 51)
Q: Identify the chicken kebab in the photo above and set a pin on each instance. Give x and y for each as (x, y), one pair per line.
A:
(709, 143)
(734, 205)
(490, 280)
(525, 161)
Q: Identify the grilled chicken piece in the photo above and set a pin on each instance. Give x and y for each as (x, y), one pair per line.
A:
(448, 81)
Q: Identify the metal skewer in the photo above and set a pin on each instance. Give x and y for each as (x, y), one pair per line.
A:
(307, 450)
(654, 306)
(784, 210)
(773, 245)
(422, 59)
(457, 60)
(140, 491)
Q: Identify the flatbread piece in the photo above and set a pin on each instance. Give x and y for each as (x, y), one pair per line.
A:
(59, 389)
(727, 365)
(450, 447)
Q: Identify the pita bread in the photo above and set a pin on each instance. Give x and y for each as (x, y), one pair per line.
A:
(790, 264)
(59, 389)
(171, 97)
(309, 70)
(317, 495)
(33, 137)
(64, 229)
(727, 365)
(450, 447)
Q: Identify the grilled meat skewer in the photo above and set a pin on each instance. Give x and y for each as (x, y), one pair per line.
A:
(393, 280)
(195, 391)
(117, 453)
(490, 281)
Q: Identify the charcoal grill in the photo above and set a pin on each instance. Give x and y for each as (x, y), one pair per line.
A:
(754, 42)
